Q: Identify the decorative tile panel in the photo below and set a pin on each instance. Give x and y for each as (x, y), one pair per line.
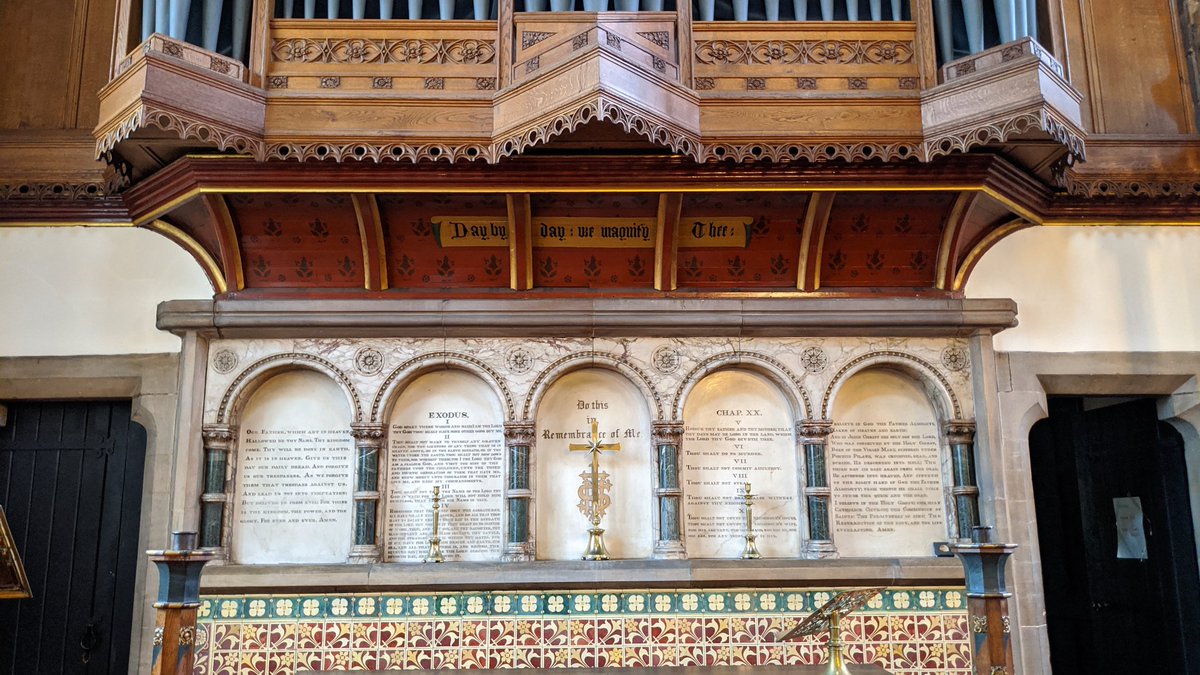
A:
(917, 631)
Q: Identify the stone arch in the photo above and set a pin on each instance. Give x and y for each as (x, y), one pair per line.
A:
(239, 391)
(762, 364)
(410, 370)
(936, 386)
(591, 359)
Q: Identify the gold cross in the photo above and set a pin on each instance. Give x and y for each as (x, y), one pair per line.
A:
(595, 447)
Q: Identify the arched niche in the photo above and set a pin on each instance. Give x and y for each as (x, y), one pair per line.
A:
(563, 417)
(446, 429)
(295, 472)
(888, 474)
(739, 428)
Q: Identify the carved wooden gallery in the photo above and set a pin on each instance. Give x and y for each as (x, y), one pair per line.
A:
(642, 334)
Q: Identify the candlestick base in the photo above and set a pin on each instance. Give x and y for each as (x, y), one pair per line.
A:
(751, 550)
(435, 551)
(595, 546)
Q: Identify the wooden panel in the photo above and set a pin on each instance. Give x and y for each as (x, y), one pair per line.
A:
(97, 47)
(1135, 53)
(421, 245)
(629, 266)
(35, 80)
(884, 240)
(768, 257)
(307, 240)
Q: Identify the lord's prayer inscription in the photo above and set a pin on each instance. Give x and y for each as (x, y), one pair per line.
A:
(295, 486)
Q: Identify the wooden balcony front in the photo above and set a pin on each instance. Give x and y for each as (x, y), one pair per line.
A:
(654, 82)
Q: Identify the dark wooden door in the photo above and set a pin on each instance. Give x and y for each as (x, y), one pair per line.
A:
(1108, 614)
(71, 485)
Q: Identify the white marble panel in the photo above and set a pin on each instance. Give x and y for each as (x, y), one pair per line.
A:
(446, 429)
(564, 418)
(295, 470)
(886, 468)
(739, 429)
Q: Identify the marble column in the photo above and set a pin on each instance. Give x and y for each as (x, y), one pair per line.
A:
(218, 439)
(667, 437)
(368, 443)
(960, 434)
(813, 436)
(518, 544)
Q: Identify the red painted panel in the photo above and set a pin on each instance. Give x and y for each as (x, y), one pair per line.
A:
(594, 267)
(298, 240)
(416, 256)
(884, 240)
(769, 257)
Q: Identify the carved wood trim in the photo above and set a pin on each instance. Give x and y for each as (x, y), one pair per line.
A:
(227, 240)
(825, 151)
(999, 131)
(812, 241)
(946, 262)
(1122, 187)
(666, 244)
(374, 245)
(260, 41)
(185, 125)
(520, 242)
(926, 42)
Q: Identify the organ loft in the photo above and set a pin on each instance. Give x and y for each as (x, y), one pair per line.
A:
(684, 312)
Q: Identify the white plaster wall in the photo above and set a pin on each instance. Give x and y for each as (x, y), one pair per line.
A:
(1096, 288)
(76, 290)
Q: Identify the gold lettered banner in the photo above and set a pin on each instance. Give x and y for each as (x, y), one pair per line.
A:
(594, 232)
(572, 232)
(472, 231)
(715, 233)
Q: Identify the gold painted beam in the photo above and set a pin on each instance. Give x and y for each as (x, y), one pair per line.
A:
(520, 242)
(227, 239)
(972, 258)
(812, 241)
(208, 263)
(946, 263)
(374, 246)
(666, 243)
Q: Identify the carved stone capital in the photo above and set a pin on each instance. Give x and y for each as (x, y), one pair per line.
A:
(814, 431)
(960, 431)
(368, 435)
(520, 433)
(666, 433)
(217, 437)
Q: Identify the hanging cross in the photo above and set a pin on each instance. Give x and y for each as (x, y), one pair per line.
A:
(595, 448)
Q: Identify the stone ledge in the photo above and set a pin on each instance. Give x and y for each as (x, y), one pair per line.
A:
(578, 574)
(585, 317)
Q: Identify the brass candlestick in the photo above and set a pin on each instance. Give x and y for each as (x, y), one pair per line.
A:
(593, 493)
(435, 542)
(751, 550)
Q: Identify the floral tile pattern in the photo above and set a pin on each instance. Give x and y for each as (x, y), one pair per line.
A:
(915, 631)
